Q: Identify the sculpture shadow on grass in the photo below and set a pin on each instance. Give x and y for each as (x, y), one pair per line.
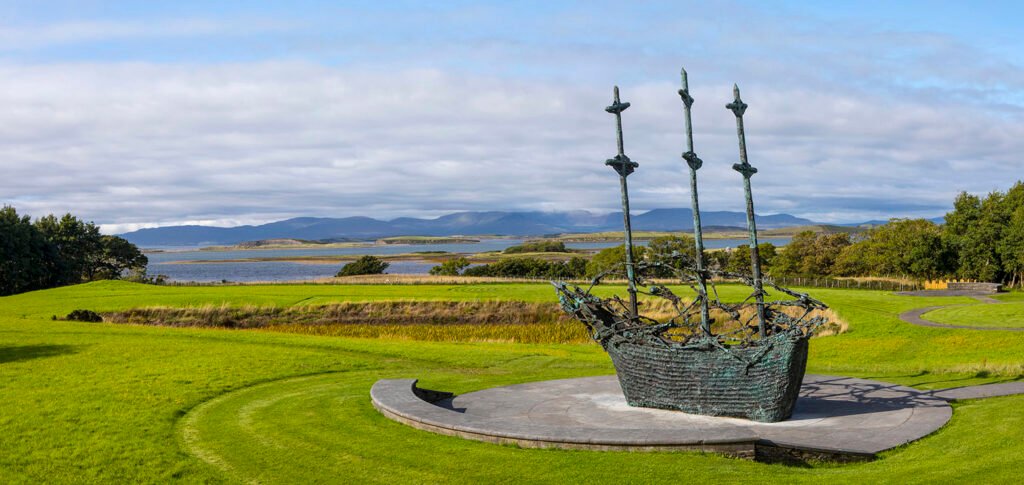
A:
(28, 352)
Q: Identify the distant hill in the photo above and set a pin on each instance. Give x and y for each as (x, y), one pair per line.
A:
(459, 223)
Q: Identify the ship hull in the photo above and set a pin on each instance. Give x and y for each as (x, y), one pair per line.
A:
(760, 382)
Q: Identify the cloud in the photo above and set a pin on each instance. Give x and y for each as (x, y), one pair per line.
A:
(26, 37)
(843, 127)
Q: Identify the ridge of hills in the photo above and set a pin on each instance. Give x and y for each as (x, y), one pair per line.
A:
(361, 228)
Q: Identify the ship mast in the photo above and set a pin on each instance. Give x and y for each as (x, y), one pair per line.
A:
(738, 107)
(695, 163)
(624, 166)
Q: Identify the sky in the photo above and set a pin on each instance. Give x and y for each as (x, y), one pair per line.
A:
(145, 114)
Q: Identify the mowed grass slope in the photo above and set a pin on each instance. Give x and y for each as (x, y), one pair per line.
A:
(1009, 315)
(111, 403)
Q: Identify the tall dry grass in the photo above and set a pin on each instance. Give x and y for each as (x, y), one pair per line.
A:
(450, 321)
(370, 313)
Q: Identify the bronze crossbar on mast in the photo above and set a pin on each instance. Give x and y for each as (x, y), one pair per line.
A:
(695, 163)
(624, 166)
(738, 107)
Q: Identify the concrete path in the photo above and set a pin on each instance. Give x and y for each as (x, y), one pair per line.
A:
(835, 417)
(980, 392)
(915, 316)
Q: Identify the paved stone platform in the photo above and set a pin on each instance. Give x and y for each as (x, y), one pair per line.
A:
(835, 417)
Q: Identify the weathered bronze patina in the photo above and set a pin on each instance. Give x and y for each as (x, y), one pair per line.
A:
(751, 367)
(738, 107)
(624, 166)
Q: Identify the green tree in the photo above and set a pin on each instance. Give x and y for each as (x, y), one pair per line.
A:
(974, 230)
(676, 251)
(364, 265)
(530, 267)
(451, 267)
(576, 267)
(810, 254)
(79, 245)
(1011, 248)
(739, 258)
(717, 259)
(118, 258)
(907, 247)
(537, 247)
(609, 258)
(26, 258)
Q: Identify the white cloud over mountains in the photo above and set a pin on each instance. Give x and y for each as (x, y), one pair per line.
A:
(137, 143)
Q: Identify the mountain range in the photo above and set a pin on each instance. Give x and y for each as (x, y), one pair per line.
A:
(458, 223)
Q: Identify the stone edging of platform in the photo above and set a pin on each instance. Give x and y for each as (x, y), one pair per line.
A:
(401, 400)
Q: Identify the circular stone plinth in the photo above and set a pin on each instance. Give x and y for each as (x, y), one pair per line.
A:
(834, 416)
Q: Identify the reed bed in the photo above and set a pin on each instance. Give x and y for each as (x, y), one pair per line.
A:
(367, 313)
(530, 333)
(446, 321)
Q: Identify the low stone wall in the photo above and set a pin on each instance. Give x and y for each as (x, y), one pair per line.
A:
(975, 287)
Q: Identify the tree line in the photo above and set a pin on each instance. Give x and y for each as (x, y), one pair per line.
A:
(52, 251)
(982, 239)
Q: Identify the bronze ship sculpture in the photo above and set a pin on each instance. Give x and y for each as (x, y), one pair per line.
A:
(751, 366)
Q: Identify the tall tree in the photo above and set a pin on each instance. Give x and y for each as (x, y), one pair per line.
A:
(1011, 248)
(906, 247)
(810, 254)
(118, 257)
(739, 258)
(25, 255)
(974, 229)
(79, 244)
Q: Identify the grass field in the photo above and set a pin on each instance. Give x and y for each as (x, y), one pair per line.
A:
(1009, 314)
(122, 403)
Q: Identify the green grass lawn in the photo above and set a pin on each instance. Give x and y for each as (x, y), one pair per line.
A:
(1009, 314)
(1016, 295)
(119, 403)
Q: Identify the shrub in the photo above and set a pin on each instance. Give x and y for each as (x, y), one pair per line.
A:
(537, 247)
(364, 265)
(452, 267)
(530, 268)
(84, 316)
(676, 251)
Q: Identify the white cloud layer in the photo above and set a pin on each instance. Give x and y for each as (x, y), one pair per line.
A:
(138, 144)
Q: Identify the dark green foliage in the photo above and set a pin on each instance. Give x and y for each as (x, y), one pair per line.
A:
(26, 258)
(1011, 248)
(576, 266)
(54, 252)
(452, 267)
(676, 251)
(717, 260)
(537, 247)
(117, 258)
(904, 247)
(364, 265)
(609, 258)
(530, 268)
(79, 244)
(739, 258)
(809, 254)
(985, 235)
(84, 316)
